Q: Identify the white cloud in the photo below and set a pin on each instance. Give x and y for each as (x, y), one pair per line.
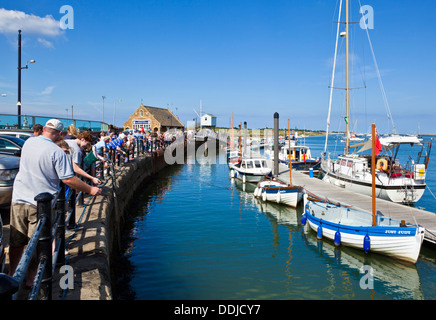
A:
(45, 43)
(47, 90)
(12, 20)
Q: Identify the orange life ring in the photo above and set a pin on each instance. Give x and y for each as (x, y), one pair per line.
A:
(382, 164)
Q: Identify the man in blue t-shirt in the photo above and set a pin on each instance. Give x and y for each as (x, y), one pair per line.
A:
(117, 144)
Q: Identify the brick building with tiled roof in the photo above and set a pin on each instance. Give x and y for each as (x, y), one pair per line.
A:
(156, 119)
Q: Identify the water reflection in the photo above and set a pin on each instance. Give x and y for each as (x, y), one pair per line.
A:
(195, 235)
(344, 267)
(400, 281)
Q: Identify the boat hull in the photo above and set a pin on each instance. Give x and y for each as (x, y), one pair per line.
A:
(245, 176)
(390, 192)
(278, 192)
(403, 243)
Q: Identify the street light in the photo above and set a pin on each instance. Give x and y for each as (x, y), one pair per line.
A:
(19, 77)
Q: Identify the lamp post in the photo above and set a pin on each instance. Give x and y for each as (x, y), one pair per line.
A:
(19, 77)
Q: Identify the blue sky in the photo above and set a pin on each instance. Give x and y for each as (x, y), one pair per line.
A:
(252, 58)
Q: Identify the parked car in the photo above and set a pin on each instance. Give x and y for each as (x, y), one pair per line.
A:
(2, 248)
(19, 134)
(9, 165)
(11, 145)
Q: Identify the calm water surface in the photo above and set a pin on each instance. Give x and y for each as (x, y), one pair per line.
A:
(197, 235)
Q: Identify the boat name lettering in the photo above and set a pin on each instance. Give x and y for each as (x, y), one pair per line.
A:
(398, 232)
(404, 232)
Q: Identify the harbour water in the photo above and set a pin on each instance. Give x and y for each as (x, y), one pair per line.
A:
(195, 234)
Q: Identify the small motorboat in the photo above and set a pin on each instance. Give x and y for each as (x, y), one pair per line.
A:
(250, 170)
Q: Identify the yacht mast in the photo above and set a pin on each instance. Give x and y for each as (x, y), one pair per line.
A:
(333, 78)
(347, 90)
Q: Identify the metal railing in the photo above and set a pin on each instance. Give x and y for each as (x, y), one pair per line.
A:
(48, 239)
(26, 122)
(45, 235)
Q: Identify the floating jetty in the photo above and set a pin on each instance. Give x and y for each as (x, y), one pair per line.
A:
(321, 189)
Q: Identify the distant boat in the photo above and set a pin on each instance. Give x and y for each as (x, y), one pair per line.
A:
(301, 158)
(278, 191)
(353, 138)
(233, 156)
(250, 170)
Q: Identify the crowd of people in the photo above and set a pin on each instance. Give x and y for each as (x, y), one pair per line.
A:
(50, 156)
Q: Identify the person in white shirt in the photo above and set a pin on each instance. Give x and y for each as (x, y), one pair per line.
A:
(42, 166)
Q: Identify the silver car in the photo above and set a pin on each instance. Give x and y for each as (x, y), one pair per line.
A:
(9, 166)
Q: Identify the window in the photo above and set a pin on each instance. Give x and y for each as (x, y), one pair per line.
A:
(8, 147)
(249, 164)
(257, 164)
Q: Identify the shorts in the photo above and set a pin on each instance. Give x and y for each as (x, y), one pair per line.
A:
(23, 223)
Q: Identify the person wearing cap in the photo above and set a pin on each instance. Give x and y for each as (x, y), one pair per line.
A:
(42, 166)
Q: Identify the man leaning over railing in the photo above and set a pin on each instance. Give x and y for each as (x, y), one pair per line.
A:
(43, 164)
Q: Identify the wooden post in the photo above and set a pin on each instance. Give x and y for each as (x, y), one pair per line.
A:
(289, 151)
(374, 222)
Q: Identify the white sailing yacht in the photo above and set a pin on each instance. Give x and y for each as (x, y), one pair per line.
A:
(403, 183)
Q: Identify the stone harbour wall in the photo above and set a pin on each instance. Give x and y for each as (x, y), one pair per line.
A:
(96, 241)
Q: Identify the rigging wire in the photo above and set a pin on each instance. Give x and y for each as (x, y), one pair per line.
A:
(385, 100)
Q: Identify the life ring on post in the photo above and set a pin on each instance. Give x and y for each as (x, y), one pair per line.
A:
(382, 164)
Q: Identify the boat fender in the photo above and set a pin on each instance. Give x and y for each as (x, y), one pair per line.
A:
(319, 232)
(304, 219)
(382, 164)
(366, 243)
(337, 238)
(255, 192)
(264, 196)
(278, 197)
(243, 178)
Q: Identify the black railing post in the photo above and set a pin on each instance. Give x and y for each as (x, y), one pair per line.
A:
(44, 247)
(60, 232)
(81, 195)
(72, 206)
